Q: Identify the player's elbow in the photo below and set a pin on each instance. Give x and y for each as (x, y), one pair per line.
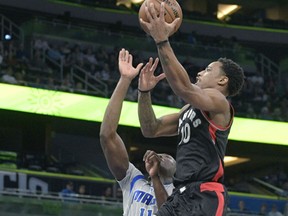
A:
(103, 138)
(148, 133)
(105, 135)
(189, 95)
(181, 91)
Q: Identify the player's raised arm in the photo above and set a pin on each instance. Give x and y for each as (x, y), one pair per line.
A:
(176, 75)
(150, 125)
(161, 168)
(113, 147)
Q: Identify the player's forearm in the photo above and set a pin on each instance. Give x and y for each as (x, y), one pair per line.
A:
(146, 115)
(176, 75)
(160, 192)
(113, 111)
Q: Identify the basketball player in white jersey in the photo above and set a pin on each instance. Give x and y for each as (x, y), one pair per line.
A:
(140, 196)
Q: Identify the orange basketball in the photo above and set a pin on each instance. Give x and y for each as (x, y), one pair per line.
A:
(172, 11)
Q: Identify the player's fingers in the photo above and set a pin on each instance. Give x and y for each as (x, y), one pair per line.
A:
(144, 23)
(152, 10)
(144, 69)
(160, 77)
(148, 155)
(148, 13)
(153, 158)
(145, 155)
(175, 23)
(130, 58)
(150, 62)
(154, 65)
(139, 66)
(120, 57)
(162, 11)
(126, 57)
(151, 155)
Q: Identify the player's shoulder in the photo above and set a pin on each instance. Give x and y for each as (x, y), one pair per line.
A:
(216, 95)
(213, 92)
(185, 107)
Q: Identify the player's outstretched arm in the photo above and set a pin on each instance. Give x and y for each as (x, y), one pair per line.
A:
(152, 165)
(113, 147)
(150, 125)
(177, 77)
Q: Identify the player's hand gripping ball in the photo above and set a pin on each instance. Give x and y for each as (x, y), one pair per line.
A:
(172, 11)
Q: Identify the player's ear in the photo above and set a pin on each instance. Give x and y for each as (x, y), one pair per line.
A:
(223, 80)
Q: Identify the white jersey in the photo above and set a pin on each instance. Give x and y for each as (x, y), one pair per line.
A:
(138, 194)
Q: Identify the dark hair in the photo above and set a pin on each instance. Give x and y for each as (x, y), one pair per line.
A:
(235, 74)
(70, 183)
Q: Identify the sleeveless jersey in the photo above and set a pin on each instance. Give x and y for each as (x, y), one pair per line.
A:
(201, 148)
(138, 194)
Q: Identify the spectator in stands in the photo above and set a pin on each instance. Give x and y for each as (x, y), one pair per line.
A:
(38, 61)
(102, 55)
(55, 54)
(274, 211)
(22, 56)
(41, 44)
(277, 115)
(68, 191)
(250, 113)
(89, 57)
(8, 76)
(67, 83)
(81, 193)
(241, 207)
(65, 49)
(105, 72)
(119, 195)
(50, 83)
(77, 56)
(107, 194)
(140, 197)
(79, 88)
(20, 77)
(263, 209)
(265, 113)
(82, 189)
(93, 71)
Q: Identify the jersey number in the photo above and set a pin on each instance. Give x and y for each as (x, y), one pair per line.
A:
(142, 212)
(185, 133)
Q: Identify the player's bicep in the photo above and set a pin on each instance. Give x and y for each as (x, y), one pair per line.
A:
(116, 155)
(168, 125)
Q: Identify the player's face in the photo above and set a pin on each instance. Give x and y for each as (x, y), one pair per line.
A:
(209, 77)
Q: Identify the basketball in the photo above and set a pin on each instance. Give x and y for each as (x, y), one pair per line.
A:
(172, 11)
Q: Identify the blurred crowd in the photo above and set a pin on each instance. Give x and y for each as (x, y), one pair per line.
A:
(48, 64)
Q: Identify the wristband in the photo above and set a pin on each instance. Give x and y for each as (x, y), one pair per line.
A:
(162, 42)
(146, 91)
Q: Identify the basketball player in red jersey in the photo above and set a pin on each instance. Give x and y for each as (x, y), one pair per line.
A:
(203, 125)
